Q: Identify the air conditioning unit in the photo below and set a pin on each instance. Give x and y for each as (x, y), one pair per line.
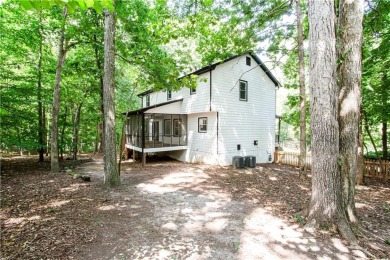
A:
(238, 162)
(250, 161)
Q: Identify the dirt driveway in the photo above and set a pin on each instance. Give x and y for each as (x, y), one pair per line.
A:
(172, 210)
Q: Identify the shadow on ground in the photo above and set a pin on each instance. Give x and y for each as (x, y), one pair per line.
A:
(171, 210)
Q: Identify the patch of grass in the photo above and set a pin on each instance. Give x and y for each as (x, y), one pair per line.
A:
(236, 245)
(386, 206)
(299, 218)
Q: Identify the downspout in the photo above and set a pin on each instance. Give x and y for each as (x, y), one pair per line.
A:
(143, 134)
(217, 131)
(210, 88)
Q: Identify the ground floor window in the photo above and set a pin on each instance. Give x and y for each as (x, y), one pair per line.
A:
(202, 124)
(176, 127)
(167, 127)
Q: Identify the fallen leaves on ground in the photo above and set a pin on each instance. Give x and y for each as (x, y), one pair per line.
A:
(53, 216)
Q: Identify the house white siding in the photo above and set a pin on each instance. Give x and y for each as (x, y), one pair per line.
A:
(231, 122)
(243, 122)
(201, 147)
(196, 103)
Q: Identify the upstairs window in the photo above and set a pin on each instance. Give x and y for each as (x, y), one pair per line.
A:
(243, 90)
(192, 91)
(169, 94)
(202, 124)
(148, 100)
(248, 61)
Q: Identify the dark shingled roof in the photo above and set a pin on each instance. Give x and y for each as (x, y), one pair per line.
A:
(141, 110)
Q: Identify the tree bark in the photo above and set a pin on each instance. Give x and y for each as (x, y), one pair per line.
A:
(99, 66)
(350, 76)
(76, 124)
(368, 131)
(360, 163)
(302, 93)
(41, 122)
(384, 139)
(385, 98)
(63, 134)
(111, 174)
(326, 205)
(55, 166)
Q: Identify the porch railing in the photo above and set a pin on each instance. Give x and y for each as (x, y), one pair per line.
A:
(157, 141)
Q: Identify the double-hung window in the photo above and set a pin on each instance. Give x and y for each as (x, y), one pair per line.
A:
(202, 124)
(243, 90)
(192, 91)
(148, 100)
(169, 94)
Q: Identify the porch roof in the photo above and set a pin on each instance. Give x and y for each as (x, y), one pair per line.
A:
(145, 109)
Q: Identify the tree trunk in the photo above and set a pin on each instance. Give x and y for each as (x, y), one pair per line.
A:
(384, 139)
(41, 122)
(20, 143)
(368, 131)
(99, 66)
(302, 93)
(55, 166)
(326, 205)
(385, 112)
(350, 76)
(63, 134)
(76, 123)
(47, 132)
(360, 163)
(111, 174)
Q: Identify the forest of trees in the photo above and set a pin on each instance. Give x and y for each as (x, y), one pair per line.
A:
(69, 68)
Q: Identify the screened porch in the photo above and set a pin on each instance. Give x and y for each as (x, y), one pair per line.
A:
(153, 132)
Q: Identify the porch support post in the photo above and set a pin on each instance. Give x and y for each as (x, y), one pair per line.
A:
(143, 159)
(143, 139)
(179, 129)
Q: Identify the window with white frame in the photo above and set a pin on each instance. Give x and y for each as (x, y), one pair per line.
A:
(243, 90)
(148, 100)
(192, 91)
(202, 124)
(169, 94)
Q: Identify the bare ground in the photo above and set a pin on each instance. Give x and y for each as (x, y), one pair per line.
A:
(172, 210)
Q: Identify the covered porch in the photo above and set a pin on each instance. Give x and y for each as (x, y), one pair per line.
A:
(149, 131)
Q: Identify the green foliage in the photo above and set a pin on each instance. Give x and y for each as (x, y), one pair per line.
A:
(147, 57)
(71, 5)
(376, 62)
(299, 218)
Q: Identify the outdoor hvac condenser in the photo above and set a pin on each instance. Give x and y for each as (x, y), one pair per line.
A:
(238, 162)
(250, 161)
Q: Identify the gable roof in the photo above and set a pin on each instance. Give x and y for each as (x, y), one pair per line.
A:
(212, 67)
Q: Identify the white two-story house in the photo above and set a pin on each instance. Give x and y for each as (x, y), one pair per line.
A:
(230, 113)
